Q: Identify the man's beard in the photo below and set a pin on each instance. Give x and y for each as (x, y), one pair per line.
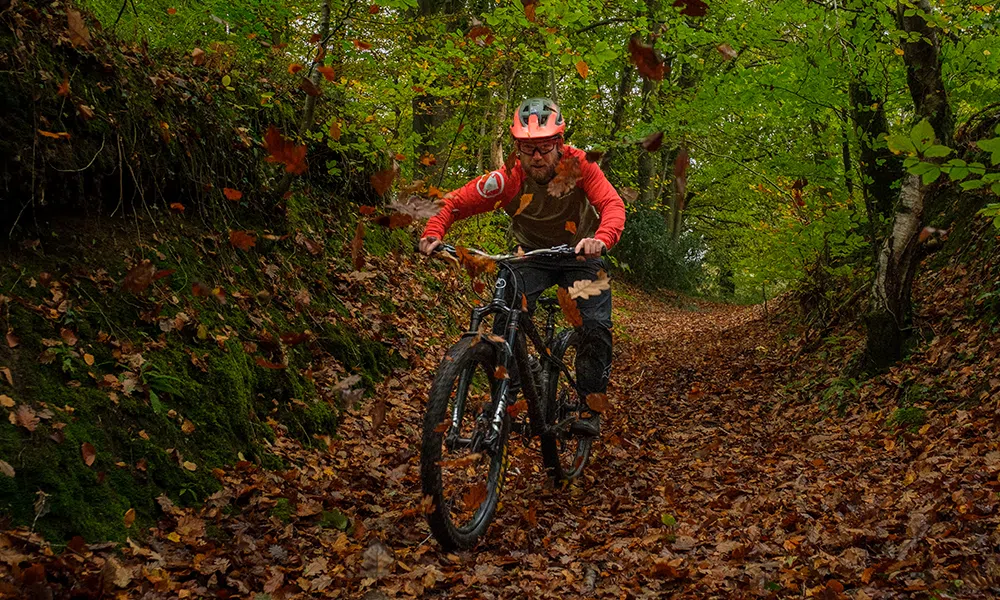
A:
(543, 175)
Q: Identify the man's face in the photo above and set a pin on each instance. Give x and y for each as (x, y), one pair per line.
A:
(539, 158)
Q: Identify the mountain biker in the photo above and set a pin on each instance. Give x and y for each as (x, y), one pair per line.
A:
(589, 216)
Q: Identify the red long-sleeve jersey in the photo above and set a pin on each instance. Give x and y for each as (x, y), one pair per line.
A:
(591, 209)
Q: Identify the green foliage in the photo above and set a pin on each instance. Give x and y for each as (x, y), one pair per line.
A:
(654, 259)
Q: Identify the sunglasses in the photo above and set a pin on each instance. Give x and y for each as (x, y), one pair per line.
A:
(529, 148)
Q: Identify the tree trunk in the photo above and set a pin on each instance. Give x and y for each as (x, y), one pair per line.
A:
(889, 316)
(309, 110)
(880, 168)
(624, 87)
(428, 114)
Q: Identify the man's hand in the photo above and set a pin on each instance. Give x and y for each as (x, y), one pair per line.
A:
(590, 247)
(428, 244)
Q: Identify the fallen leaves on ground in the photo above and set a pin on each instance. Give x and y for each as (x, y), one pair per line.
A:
(719, 474)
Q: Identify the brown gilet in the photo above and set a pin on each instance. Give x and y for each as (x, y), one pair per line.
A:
(543, 222)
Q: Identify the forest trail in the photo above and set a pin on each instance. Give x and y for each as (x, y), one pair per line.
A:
(713, 479)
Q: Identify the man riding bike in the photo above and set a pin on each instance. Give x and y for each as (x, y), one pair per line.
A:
(589, 216)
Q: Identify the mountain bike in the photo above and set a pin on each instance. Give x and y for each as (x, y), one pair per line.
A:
(472, 407)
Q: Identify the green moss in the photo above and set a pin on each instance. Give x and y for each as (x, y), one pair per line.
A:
(910, 418)
(282, 510)
(380, 241)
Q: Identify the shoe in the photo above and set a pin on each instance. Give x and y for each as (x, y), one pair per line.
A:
(590, 426)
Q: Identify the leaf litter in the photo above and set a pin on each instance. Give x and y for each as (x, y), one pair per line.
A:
(718, 474)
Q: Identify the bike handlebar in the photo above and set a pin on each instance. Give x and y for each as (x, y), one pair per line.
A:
(561, 251)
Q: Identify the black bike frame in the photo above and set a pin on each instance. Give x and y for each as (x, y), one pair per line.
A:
(513, 346)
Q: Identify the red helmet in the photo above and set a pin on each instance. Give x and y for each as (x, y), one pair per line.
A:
(537, 118)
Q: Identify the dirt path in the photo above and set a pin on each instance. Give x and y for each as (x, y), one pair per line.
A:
(716, 477)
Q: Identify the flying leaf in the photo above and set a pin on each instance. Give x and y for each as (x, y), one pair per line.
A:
(12, 340)
(60, 135)
(692, 8)
(366, 210)
(292, 155)
(129, 518)
(198, 57)
(64, 88)
(171, 11)
(140, 277)
(200, 290)
(187, 427)
(362, 45)
(326, 72)
(517, 408)
(525, 201)
(88, 452)
(582, 68)
(335, 130)
(571, 227)
(357, 248)
(481, 35)
(529, 9)
(294, 68)
(510, 161)
(373, 9)
(473, 263)
(79, 35)
(568, 172)
(645, 60)
(6, 469)
(382, 181)
(598, 403)
(6, 401)
(652, 142)
(242, 239)
(418, 207)
(726, 51)
(594, 155)
(428, 160)
(232, 194)
(309, 87)
(586, 288)
(263, 362)
(569, 307)
(475, 496)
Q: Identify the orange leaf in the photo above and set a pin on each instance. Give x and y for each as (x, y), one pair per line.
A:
(294, 68)
(309, 87)
(177, 207)
(198, 57)
(362, 45)
(598, 403)
(64, 88)
(382, 181)
(645, 60)
(62, 135)
(129, 518)
(517, 408)
(475, 496)
(139, 277)
(529, 9)
(242, 239)
(569, 307)
(88, 452)
(571, 227)
(582, 68)
(366, 210)
(525, 201)
(357, 258)
(428, 160)
(315, 38)
(200, 290)
(171, 11)
(500, 373)
(232, 194)
(373, 9)
(25, 417)
(395, 220)
(292, 155)
(335, 130)
(726, 51)
(12, 340)
(568, 172)
(263, 362)
(327, 72)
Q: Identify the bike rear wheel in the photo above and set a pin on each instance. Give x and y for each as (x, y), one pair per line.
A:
(564, 453)
(462, 470)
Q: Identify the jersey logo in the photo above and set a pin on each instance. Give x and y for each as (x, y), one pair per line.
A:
(491, 186)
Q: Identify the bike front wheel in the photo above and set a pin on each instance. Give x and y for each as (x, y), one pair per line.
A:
(564, 453)
(463, 458)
